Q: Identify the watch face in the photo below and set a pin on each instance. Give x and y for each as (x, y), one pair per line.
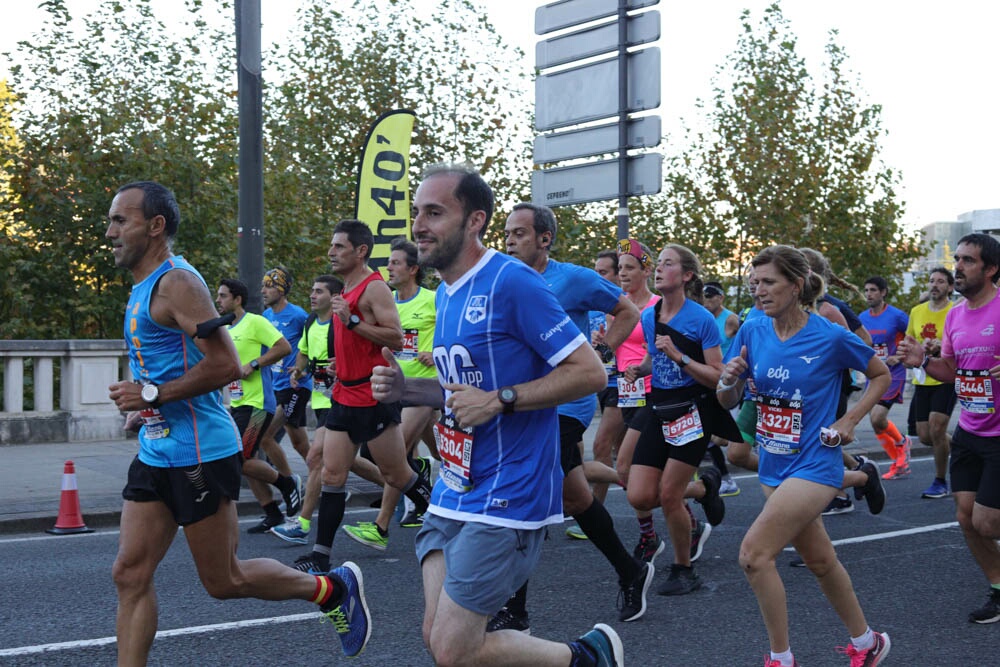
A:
(149, 393)
(507, 395)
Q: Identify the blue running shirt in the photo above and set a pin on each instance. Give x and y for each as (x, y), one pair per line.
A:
(695, 322)
(798, 387)
(180, 433)
(499, 325)
(579, 291)
(289, 321)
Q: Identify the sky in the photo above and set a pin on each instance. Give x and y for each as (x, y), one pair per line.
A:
(934, 69)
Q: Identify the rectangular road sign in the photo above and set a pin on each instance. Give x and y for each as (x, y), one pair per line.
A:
(567, 13)
(642, 133)
(642, 29)
(590, 92)
(596, 181)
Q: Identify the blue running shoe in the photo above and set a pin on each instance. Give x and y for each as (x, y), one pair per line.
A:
(605, 644)
(937, 489)
(291, 531)
(350, 618)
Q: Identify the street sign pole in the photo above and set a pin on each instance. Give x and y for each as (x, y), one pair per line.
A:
(623, 119)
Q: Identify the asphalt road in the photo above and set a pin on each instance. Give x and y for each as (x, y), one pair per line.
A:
(912, 571)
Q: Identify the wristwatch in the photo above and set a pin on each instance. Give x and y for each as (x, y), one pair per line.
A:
(353, 321)
(685, 360)
(255, 364)
(151, 394)
(508, 397)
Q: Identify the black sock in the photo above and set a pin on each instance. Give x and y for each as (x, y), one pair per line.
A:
(419, 492)
(331, 514)
(598, 526)
(272, 512)
(518, 601)
(718, 459)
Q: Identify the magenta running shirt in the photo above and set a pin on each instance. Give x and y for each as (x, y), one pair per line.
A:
(633, 349)
(972, 338)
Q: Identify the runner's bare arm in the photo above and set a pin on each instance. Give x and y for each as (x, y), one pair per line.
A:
(626, 316)
(181, 301)
(879, 379)
(377, 305)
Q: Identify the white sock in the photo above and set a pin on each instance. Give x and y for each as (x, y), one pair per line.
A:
(867, 640)
(785, 658)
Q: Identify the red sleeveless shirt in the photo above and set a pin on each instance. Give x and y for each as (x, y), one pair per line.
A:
(356, 355)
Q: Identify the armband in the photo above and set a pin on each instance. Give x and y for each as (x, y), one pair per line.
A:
(927, 360)
(207, 328)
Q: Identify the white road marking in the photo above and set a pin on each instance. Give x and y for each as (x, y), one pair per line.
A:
(163, 634)
(892, 534)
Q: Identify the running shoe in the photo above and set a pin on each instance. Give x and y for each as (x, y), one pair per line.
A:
(729, 487)
(291, 531)
(681, 581)
(293, 496)
(989, 612)
(907, 445)
(505, 619)
(777, 663)
(838, 506)
(265, 525)
(897, 472)
(698, 538)
(424, 468)
(350, 618)
(310, 564)
(605, 645)
(412, 519)
(632, 596)
(873, 492)
(711, 502)
(575, 532)
(937, 489)
(868, 657)
(368, 534)
(649, 548)
(797, 562)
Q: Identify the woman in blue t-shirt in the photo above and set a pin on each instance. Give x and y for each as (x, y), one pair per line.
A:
(684, 359)
(796, 360)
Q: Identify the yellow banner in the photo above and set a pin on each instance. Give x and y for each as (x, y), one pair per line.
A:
(383, 197)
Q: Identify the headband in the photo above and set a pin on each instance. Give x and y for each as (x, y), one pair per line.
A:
(278, 278)
(637, 250)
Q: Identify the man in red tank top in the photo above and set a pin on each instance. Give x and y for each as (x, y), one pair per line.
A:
(364, 319)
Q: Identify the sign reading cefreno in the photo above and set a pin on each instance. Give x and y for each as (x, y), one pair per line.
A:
(383, 195)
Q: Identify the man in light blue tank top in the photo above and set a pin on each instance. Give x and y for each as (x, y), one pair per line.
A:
(187, 472)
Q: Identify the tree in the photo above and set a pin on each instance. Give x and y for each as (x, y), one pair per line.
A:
(101, 109)
(785, 160)
(337, 74)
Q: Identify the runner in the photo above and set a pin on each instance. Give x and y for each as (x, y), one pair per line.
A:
(795, 360)
(969, 352)
(417, 316)
(187, 471)
(506, 354)
(933, 401)
(887, 325)
(364, 320)
(252, 405)
(530, 235)
(684, 361)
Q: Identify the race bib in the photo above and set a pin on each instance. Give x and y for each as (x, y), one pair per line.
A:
(974, 391)
(156, 426)
(454, 445)
(779, 424)
(411, 338)
(881, 351)
(685, 429)
(236, 390)
(631, 394)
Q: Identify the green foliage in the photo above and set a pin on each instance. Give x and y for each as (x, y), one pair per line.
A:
(786, 160)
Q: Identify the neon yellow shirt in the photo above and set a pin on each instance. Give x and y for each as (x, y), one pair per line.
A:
(926, 324)
(313, 345)
(417, 316)
(252, 335)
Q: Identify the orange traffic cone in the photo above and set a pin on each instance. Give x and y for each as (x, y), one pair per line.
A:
(70, 521)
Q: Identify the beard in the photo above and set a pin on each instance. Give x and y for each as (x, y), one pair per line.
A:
(445, 251)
